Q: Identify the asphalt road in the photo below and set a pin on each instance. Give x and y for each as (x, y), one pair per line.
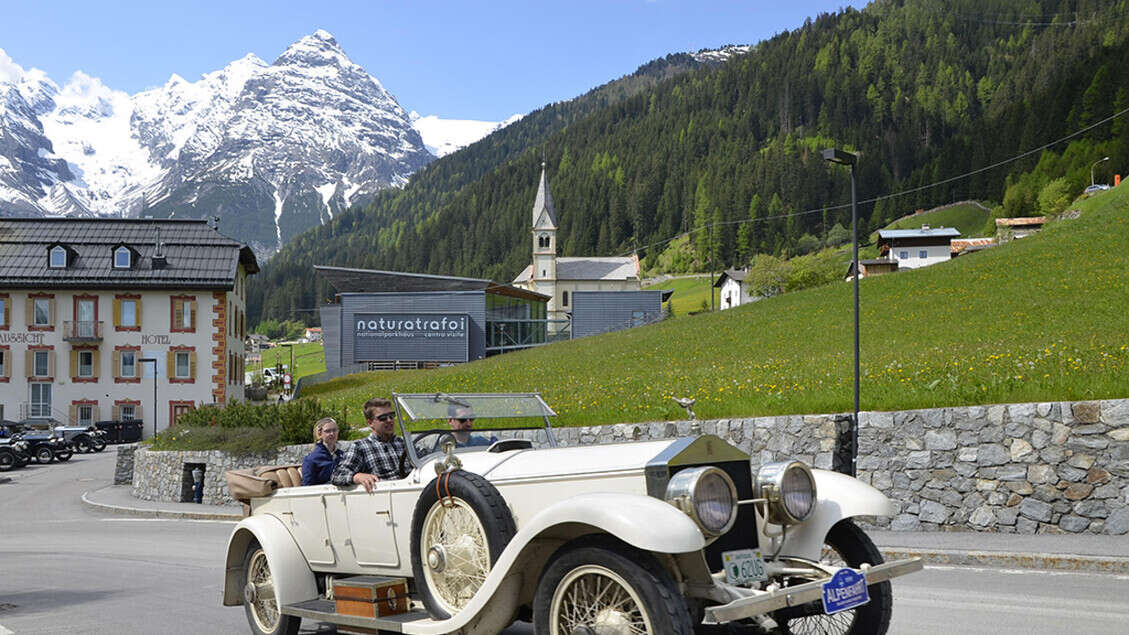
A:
(65, 568)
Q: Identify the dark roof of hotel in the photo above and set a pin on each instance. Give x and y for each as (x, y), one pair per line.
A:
(196, 255)
(347, 280)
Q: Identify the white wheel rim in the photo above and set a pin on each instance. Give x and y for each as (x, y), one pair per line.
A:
(453, 530)
(595, 599)
(264, 608)
(825, 624)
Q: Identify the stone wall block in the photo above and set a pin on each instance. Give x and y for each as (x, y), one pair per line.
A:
(1041, 473)
(996, 415)
(933, 418)
(1115, 412)
(1086, 412)
(1021, 450)
(991, 434)
(940, 440)
(1035, 510)
(1044, 409)
(1117, 524)
(1119, 434)
(1091, 509)
(992, 454)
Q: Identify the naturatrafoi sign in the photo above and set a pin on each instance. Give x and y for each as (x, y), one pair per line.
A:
(411, 336)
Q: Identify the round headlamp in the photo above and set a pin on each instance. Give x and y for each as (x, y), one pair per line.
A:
(707, 495)
(789, 488)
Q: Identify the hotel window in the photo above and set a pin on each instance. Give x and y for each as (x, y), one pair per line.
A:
(41, 364)
(129, 364)
(4, 304)
(57, 258)
(127, 313)
(85, 415)
(41, 312)
(564, 298)
(85, 364)
(922, 254)
(903, 255)
(127, 412)
(183, 365)
(123, 259)
(183, 314)
(3, 363)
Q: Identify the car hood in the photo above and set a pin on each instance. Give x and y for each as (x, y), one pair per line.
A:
(571, 461)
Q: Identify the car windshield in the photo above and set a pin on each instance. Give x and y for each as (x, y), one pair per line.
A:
(474, 422)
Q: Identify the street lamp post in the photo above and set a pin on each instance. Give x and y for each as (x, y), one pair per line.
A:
(153, 360)
(835, 155)
(1095, 164)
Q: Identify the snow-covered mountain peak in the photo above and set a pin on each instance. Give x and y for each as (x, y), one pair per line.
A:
(318, 49)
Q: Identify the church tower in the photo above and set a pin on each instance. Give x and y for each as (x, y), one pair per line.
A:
(544, 274)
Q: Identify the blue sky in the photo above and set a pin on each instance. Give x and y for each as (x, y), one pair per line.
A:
(467, 59)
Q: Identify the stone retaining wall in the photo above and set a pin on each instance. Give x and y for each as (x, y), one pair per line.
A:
(1019, 468)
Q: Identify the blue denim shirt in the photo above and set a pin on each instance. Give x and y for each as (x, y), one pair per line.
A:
(318, 465)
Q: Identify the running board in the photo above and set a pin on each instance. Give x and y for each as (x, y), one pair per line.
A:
(767, 602)
(326, 611)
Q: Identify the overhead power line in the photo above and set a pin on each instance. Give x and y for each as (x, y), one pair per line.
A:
(883, 197)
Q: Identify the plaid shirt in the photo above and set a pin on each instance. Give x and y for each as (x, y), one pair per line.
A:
(370, 455)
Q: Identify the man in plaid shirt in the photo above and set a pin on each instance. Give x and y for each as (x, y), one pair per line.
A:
(377, 456)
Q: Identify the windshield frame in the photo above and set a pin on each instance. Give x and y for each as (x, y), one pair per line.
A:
(404, 413)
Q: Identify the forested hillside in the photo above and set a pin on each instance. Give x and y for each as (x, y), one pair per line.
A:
(924, 90)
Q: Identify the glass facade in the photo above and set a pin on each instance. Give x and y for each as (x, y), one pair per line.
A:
(516, 323)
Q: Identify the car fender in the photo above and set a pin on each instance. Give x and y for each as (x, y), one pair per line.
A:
(839, 496)
(293, 579)
(644, 522)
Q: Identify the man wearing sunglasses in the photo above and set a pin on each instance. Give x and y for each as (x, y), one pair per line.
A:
(461, 420)
(377, 456)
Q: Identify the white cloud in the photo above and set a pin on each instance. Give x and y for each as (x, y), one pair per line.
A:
(9, 70)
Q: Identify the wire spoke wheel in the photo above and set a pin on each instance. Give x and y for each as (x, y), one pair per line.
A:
(264, 607)
(596, 600)
(455, 553)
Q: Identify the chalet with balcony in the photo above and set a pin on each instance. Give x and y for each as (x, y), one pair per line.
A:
(96, 312)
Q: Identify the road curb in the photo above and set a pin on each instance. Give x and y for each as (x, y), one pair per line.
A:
(139, 512)
(1014, 560)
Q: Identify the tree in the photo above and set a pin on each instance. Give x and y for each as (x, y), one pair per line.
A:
(1054, 197)
(767, 276)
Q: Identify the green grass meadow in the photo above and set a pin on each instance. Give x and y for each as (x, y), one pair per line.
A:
(690, 293)
(967, 218)
(1045, 318)
(309, 359)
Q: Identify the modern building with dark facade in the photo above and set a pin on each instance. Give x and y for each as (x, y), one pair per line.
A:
(388, 319)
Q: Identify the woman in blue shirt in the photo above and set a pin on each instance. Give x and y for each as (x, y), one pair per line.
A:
(318, 465)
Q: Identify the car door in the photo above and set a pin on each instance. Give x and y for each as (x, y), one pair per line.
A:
(308, 526)
(365, 520)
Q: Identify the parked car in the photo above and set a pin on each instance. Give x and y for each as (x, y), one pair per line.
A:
(83, 439)
(43, 445)
(13, 453)
(644, 537)
(1093, 189)
(117, 431)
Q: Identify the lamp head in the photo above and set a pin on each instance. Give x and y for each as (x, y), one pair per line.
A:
(835, 155)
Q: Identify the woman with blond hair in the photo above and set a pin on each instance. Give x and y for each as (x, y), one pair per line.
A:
(318, 465)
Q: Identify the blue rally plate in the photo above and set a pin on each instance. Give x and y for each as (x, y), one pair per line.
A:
(845, 590)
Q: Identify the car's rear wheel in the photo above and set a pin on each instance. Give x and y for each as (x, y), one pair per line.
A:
(609, 589)
(7, 460)
(64, 455)
(460, 527)
(83, 444)
(44, 454)
(259, 599)
(98, 444)
(845, 546)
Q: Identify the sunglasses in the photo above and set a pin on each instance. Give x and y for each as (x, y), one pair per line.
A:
(464, 419)
(388, 416)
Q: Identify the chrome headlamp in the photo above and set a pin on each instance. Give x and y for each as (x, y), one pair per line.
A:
(707, 495)
(789, 488)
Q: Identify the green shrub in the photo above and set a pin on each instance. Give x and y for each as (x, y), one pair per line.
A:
(234, 440)
(291, 422)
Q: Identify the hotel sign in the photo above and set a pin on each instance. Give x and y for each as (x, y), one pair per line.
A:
(419, 337)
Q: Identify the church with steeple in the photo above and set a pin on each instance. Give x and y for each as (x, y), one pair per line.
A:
(560, 277)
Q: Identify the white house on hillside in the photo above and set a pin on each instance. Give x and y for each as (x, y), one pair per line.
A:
(916, 248)
(733, 289)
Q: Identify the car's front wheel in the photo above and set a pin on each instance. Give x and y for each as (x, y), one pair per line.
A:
(44, 454)
(845, 546)
(83, 444)
(8, 461)
(64, 455)
(98, 444)
(259, 600)
(610, 589)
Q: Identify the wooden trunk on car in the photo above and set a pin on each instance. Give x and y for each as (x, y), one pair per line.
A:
(371, 596)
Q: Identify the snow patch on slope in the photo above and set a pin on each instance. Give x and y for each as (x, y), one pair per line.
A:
(444, 136)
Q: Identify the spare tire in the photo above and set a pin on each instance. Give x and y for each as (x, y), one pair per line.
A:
(460, 527)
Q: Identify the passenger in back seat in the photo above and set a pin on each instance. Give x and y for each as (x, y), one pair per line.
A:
(318, 466)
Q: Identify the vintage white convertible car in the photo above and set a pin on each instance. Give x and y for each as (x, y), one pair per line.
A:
(678, 536)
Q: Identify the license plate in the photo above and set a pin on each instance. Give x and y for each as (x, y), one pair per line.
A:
(743, 566)
(845, 590)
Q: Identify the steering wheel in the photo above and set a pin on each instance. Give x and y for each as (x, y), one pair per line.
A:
(423, 449)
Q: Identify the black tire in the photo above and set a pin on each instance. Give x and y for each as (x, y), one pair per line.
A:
(283, 624)
(850, 545)
(98, 443)
(8, 460)
(659, 602)
(488, 506)
(65, 455)
(83, 444)
(44, 454)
